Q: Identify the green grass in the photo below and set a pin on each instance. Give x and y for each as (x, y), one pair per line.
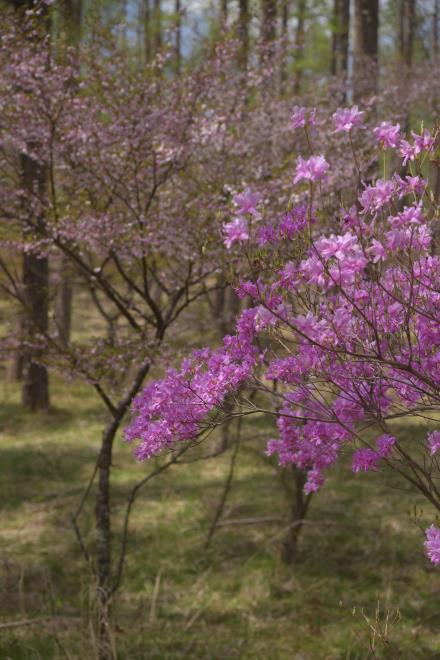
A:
(361, 557)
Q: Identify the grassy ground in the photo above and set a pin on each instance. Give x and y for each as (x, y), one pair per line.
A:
(361, 567)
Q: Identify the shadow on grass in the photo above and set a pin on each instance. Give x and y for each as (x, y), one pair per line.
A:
(40, 474)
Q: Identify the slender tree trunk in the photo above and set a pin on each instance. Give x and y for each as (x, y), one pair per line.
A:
(223, 12)
(103, 542)
(435, 20)
(157, 26)
(106, 583)
(406, 30)
(35, 289)
(365, 61)
(299, 45)
(72, 17)
(285, 9)
(147, 31)
(178, 55)
(268, 27)
(285, 16)
(35, 385)
(300, 504)
(73, 12)
(340, 37)
(243, 32)
(226, 307)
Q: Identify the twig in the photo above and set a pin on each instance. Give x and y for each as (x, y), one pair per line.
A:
(39, 621)
(131, 498)
(226, 488)
(250, 521)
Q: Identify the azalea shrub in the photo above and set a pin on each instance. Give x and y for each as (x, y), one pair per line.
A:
(341, 333)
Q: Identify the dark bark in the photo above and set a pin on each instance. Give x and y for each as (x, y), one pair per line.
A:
(35, 380)
(35, 385)
(365, 60)
(406, 9)
(285, 9)
(300, 504)
(147, 30)
(103, 542)
(157, 11)
(341, 25)
(435, 20)
(72, 14)
(226, 307)
(268, 26)
(178, 54)
(223, 12)
(285, 17)
(104, 572)
(299, 45)
(243, 32)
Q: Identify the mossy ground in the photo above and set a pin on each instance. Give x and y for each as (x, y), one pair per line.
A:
(361, 567)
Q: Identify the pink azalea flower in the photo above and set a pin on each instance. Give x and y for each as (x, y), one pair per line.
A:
(388, 134)
(234, 231)
(432, 544)
(247, 202)
(434, 442)
(345, 119)
(423, 142)
(302, 117)
(312, 169)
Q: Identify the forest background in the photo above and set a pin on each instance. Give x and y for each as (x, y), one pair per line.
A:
(126, 131)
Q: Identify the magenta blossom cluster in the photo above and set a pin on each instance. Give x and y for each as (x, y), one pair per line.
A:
(302, 117)
(346, 119)
(311, 169)
(174, 408)
(342, 328)
(432, 544)
(246, 207)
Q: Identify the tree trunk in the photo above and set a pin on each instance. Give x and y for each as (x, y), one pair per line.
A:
(406, 30)
(341, 25)
(35, 273)
(107, 581)
(157, 27)
(285, 7)
(300, 504)
(178, 55)
(299, 46)
(35, 386)
(103, 543)
(365, 60)
(243, 33)
(435, 19)
(223, 13)
(73, 12)
(268, 27)
(226, 307)
(147, 31)
(72, 17)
